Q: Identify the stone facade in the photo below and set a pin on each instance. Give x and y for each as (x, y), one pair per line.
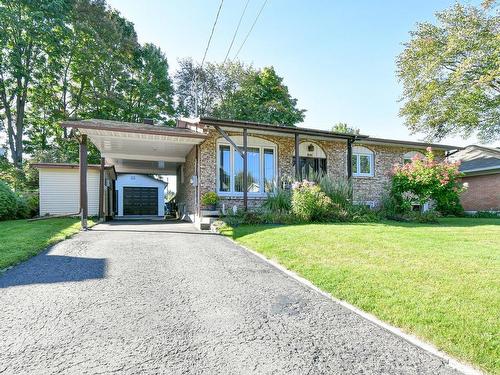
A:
(186, 192)
(368, 189)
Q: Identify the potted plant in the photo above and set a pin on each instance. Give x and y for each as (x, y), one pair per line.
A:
(209, 200)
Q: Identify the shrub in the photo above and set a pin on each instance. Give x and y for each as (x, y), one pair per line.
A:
(424, 180)
(210, 198)
(278, 201)
(484, 214)
(22, 209)
(33, 202)
(338, 190)
(8, 202)
(309, 203)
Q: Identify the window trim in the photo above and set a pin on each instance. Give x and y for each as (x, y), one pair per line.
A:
(253, 143)
(371, 157)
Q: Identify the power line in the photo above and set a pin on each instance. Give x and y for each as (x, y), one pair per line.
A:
(236, 31)
(251, 28)
(195, 78)
(212, 33)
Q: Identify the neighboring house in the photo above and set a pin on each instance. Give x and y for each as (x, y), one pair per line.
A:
(481, 166)
(206, 155)
(59, 189)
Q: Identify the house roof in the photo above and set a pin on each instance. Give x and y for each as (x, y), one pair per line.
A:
(397, 142)
(271, 127)
(313, 132)
(476, 159)
(133, 127)
(71, 166)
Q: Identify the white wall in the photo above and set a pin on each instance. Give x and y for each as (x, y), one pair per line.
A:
(60, 191)
(137, 180)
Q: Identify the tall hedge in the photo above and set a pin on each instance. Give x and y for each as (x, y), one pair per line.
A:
(8, 202)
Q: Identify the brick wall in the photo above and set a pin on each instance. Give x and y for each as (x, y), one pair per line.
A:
(482, 194)
(365, 188)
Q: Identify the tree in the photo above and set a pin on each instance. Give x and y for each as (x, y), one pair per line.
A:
(451, 74)
(235, 91)
(30, 44)
(149, 91)
(342, 127)
(210, 85)
(261, 97)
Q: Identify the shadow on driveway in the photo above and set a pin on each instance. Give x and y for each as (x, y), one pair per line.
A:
(47, 269)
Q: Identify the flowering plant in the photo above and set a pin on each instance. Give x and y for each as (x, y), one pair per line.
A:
(426, 179)
(309, 203)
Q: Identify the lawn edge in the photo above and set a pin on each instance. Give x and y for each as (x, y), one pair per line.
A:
(46, 248)
(454, 363)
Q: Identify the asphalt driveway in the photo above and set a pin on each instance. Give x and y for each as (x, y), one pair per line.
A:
(168, 299)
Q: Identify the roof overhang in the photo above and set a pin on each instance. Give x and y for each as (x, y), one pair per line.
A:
(140, 148)
(272, 129)
(408, 144)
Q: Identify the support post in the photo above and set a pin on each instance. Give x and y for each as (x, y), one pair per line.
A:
(83, 181)
(245, 169)
(101, 190)
(349, 157)
(297, 157)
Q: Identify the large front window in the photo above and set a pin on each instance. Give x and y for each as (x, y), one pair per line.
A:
(261, 173)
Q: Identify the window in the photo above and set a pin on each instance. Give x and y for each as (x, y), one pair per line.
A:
(362, 162)
(409, 156)
(261, 173)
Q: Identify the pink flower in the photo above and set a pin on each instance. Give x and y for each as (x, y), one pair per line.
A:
(429, 149)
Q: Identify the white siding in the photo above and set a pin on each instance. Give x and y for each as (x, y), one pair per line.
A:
(60, 191)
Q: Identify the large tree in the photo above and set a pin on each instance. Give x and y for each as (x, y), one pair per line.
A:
(235, 91)
(89, 65)
(31, 32)
(451, 74)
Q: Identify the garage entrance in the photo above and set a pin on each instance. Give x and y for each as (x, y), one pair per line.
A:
(140, 201)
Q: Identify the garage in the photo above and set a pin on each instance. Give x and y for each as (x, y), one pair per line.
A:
(140, 201)
(140, 196)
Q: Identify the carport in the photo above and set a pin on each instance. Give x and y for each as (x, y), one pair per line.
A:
(132, 148)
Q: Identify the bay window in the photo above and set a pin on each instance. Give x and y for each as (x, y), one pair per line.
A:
(261, 172)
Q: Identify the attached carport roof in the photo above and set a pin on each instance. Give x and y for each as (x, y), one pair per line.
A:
(140, 148)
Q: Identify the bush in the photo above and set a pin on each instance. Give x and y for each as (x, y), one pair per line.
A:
(425, 180)
(484, 214)
(309, 203)
(210, 198)
(33, 202)
(278, 201)
(22, 209)
(338, 190)
(8, 202)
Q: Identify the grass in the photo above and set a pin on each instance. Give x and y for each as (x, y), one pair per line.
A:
(20, 239)
(440, 282)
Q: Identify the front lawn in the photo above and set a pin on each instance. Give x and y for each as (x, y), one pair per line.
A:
(20, 239)
(440, 282)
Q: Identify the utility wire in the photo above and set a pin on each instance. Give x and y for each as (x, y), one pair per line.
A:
(205, 54)
(251, 28)
(236, 31)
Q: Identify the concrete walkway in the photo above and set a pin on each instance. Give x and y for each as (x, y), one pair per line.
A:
(164, 298)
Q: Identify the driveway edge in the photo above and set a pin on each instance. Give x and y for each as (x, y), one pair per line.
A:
(413, 340)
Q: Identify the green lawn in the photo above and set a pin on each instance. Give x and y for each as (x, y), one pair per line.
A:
(440, 282)
(20, 239)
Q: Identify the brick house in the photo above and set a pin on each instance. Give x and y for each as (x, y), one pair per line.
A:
(481, 166)
(207, 154)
